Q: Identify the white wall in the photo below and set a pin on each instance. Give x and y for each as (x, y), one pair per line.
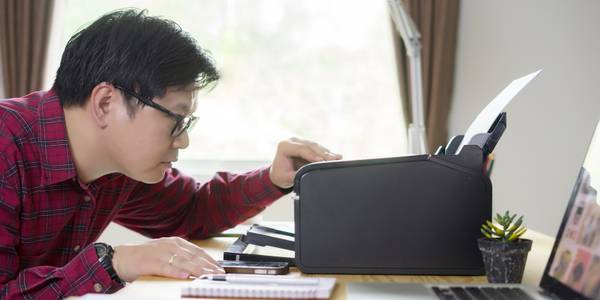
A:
(551, 121)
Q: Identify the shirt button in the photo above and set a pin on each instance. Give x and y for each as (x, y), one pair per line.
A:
(97, 287)
(87, 198)
(76, 248)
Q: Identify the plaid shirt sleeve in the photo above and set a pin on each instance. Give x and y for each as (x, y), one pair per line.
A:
(83, 274)
(180, 206)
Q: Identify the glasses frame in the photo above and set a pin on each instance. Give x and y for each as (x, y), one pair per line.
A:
(187, 121)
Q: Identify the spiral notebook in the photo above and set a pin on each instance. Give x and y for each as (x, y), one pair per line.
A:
(274, 290)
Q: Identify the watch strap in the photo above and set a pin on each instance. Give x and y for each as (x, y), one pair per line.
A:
(105, 254)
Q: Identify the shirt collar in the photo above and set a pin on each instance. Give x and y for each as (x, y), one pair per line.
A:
(57, 161)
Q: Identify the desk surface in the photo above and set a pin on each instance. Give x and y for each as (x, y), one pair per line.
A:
(163, 288)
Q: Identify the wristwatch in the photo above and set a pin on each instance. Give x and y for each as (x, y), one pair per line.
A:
(105, 255)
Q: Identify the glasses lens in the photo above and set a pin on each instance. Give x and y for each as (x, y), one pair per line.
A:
(184, 124)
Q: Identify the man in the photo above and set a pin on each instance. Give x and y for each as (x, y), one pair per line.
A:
(98, 147)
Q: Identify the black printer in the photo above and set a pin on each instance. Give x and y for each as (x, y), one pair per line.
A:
(414, 215)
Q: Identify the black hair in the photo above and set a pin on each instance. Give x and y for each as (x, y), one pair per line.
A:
(127, 48)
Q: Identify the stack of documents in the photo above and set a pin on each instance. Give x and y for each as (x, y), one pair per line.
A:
(257, 286)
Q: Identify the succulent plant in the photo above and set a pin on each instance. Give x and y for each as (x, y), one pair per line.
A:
(506, 229)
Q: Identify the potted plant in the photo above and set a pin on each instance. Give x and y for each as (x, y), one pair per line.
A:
(504, 251)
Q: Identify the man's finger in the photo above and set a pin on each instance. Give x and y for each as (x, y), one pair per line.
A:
(215, 267)
(185, 253)
(300, 150)
(193, 258)
(323, 152)
(198, 267)
(208, 262)
(317, 148)
(193, 248)
(171, 270)
(200, 255)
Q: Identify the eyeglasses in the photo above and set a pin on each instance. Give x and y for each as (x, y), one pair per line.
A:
(182, 123)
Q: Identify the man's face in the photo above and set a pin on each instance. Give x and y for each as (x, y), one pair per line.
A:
(142, 146)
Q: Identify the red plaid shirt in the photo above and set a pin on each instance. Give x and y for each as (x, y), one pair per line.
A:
(49, 219)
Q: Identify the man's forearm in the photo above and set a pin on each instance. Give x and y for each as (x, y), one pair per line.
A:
(82, 275)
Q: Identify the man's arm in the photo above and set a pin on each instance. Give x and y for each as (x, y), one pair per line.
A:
(180, 206)
(83, 274)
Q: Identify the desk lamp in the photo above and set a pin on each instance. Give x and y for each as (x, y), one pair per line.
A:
(417, 143)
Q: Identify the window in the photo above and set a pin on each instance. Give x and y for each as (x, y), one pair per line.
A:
(322, 70)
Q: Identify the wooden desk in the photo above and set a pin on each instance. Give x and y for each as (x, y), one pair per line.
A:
(163, 288)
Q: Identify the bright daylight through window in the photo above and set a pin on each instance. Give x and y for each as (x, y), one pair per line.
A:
(322, 70)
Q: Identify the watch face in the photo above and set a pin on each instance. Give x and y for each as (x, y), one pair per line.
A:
(101, 250)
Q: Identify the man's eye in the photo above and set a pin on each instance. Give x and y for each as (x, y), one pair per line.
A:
(179, 125)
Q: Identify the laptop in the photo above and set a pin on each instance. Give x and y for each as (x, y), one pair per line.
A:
(572, 271)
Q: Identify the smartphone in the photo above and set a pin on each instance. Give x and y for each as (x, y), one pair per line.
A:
(255, 267)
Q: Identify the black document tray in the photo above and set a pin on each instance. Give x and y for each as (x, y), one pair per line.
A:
(238, 251)
(266, 236)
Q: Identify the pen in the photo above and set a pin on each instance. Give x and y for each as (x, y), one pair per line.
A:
(257, 279)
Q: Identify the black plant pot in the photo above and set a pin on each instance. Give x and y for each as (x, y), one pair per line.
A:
(504, 261)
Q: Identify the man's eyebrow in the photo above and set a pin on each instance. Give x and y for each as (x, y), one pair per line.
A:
(185, 108)
(188, 88)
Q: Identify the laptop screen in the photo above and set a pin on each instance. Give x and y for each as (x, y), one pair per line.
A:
(573, 271)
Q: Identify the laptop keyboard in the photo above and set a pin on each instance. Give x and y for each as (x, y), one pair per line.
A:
(493, 293)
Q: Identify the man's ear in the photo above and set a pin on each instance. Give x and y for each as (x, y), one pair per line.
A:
(103, 101)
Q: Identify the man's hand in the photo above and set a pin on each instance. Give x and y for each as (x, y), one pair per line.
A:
(170, 257)
(293, 154)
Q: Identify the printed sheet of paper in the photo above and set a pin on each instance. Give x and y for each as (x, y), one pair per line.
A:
(488, 115)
